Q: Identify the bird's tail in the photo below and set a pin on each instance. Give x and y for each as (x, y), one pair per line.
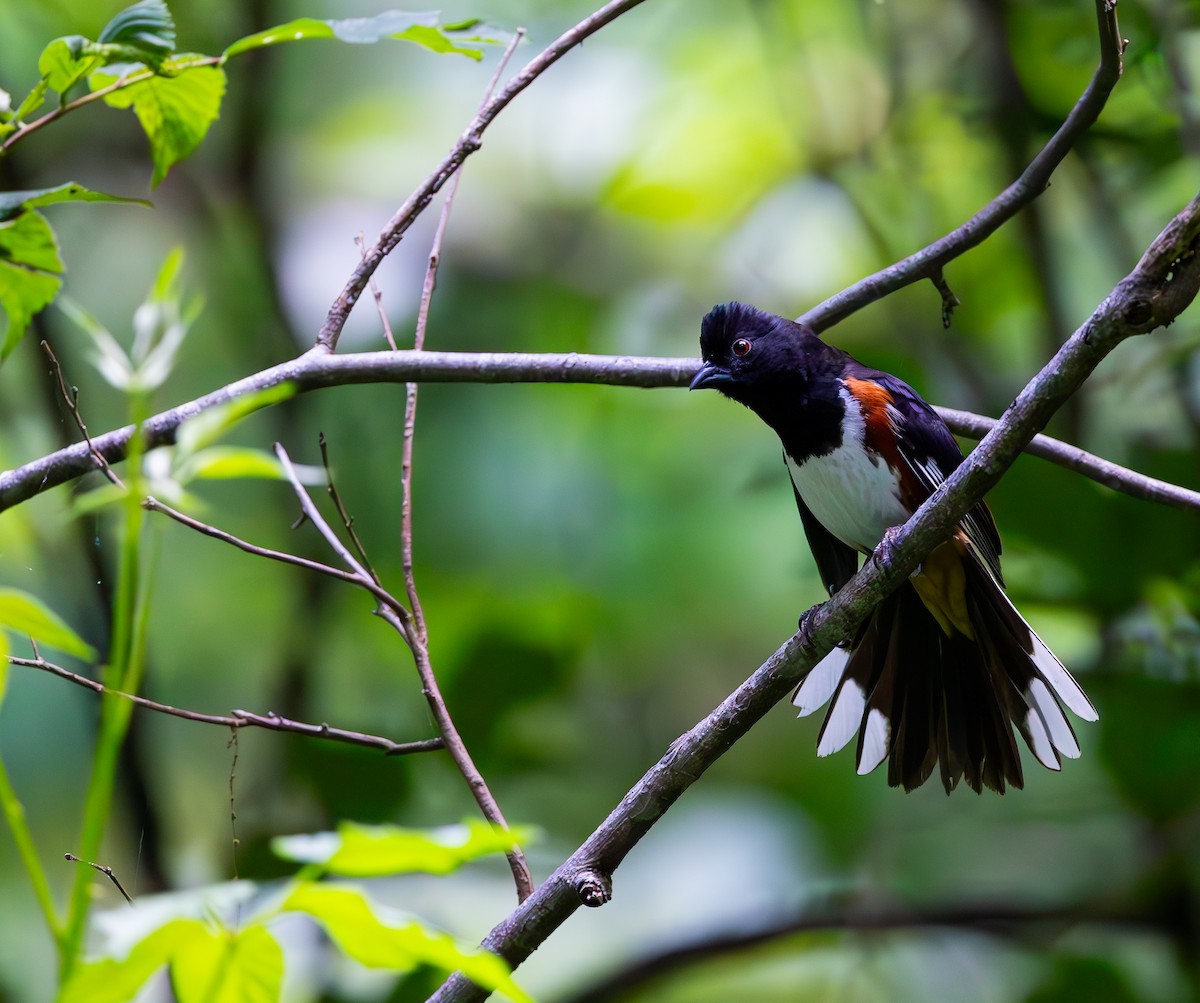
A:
(921, 697)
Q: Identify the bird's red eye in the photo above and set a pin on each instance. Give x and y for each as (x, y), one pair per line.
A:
(741, 347)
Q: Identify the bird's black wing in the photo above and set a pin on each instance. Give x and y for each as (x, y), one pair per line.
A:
(930, 450)
(836, 562)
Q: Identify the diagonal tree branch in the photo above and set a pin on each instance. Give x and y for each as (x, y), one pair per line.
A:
(468, 143)
(928, 262)
(1164, 282)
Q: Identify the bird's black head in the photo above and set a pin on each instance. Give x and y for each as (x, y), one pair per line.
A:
(779, 369)
(747, 351)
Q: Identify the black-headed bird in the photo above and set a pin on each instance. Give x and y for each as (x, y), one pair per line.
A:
(945, 667)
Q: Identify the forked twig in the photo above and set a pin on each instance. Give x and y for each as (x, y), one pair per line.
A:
(393, 612)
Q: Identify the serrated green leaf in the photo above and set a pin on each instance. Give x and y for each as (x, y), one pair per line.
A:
(146, 29)
(376, 850)
(29, 273)
(111, 981)
(66, 61)
(209, 426)
(421, 29)
(353, 925)
(23, 614)
(11, 203)
(175, 107)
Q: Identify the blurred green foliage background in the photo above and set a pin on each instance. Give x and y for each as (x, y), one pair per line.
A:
(600, 566)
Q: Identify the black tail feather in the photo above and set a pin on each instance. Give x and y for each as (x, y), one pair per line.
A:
(923, 699)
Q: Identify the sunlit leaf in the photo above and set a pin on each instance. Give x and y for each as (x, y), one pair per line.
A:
(228, 967)
(11, 203)
(66, 61)
(462, 37)
(353, 925)
(29, 273)
(111, 981)
(209, 426)
(175, 107)
(229, 462)
(23, 614)
(32, 101)
(373, 851)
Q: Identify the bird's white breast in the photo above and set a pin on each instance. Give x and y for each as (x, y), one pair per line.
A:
(851, 491)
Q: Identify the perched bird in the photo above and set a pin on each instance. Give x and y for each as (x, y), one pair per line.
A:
(945, 667)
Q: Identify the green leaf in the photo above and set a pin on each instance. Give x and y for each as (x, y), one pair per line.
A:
(373, 851)
(353, 925)
(33, 101)
(228, 462)
(23, 614)
(3, 665)
(209, 426)
(175, 107)
(29, 273)
(12, 203)
(243, 967)
(421, 29)
(102, 497)
(207, 966)
(111, 359)
(111, 981)
(146, 29)
(66, 61)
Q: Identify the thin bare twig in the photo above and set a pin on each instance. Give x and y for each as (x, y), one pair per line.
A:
(468, 143)
(1112, 475)
(353, 578)
(928, 262)
(71, 399)
(393, 612)
(126, 81)
(361, 243)
(420, 639)
(103, 869)
(347, 519)
(239, 718)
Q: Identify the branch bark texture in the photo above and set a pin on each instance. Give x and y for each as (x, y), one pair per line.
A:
(318, 370)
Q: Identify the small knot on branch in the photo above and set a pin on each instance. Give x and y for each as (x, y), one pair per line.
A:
(593, 888)
(1138, 312)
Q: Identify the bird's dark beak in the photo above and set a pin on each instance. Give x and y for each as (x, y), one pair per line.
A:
(710, 375)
